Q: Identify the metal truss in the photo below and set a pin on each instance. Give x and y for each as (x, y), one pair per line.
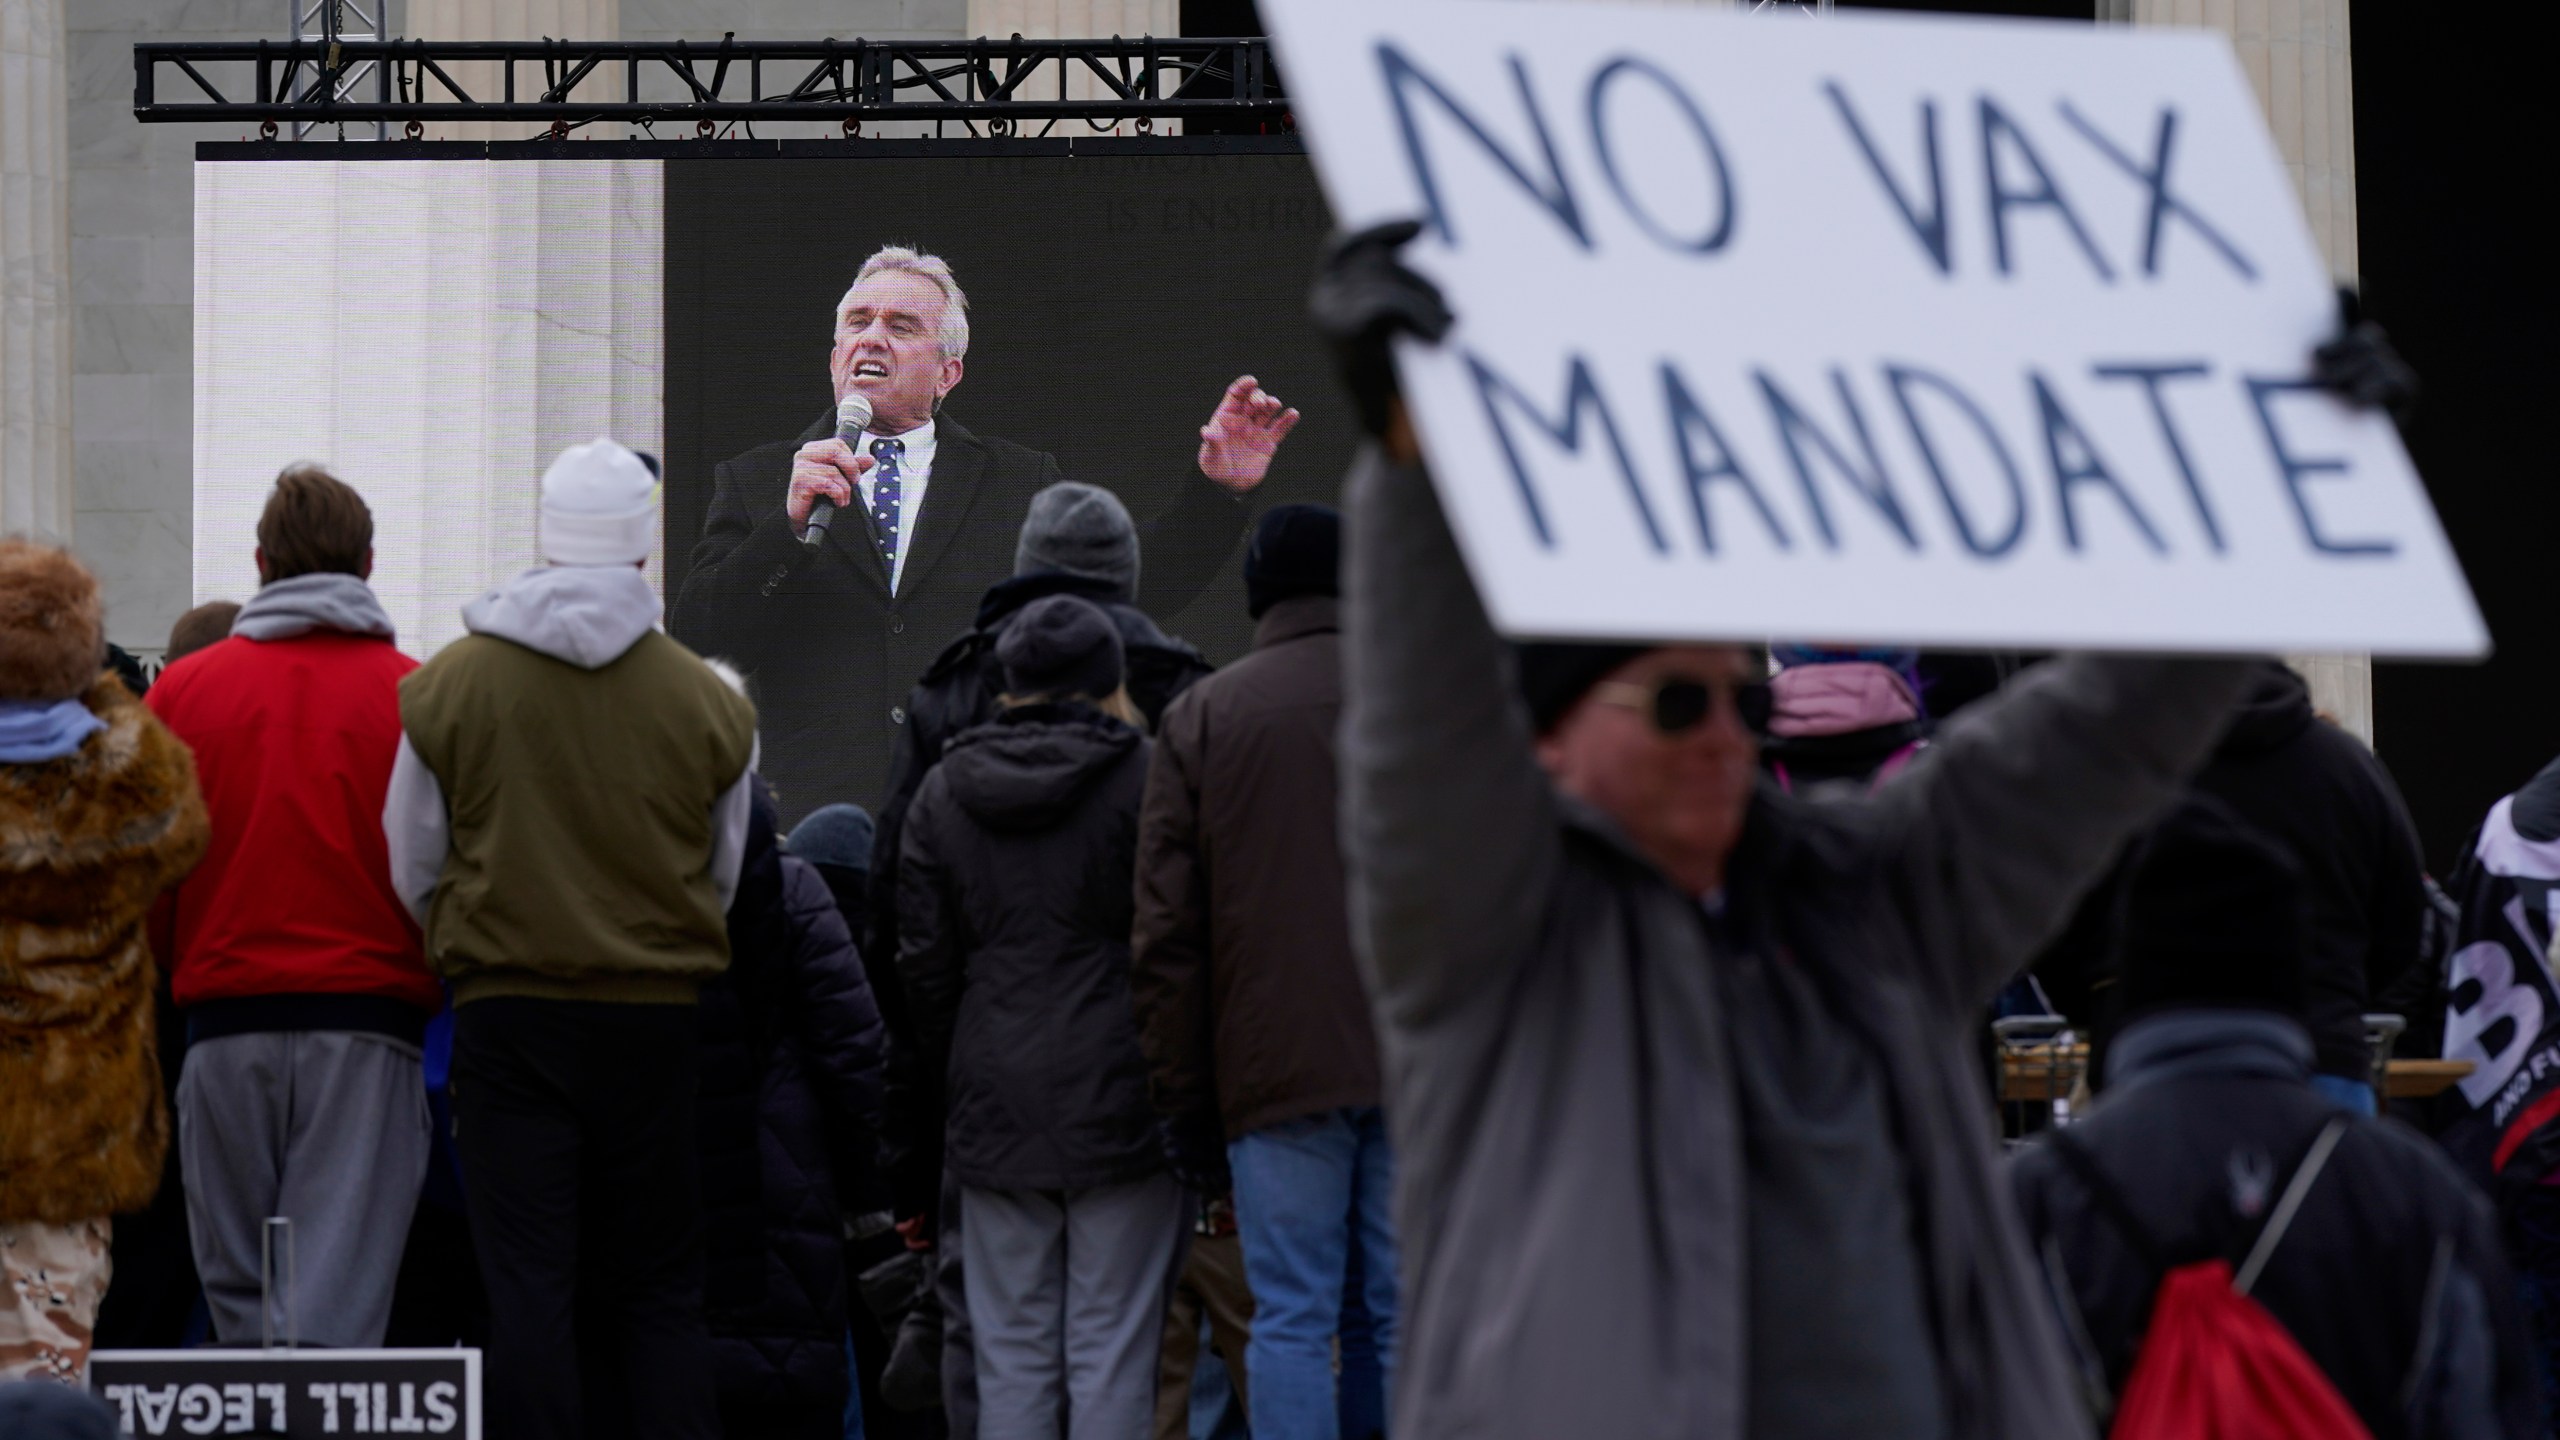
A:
(1220, 84)
(331, 22)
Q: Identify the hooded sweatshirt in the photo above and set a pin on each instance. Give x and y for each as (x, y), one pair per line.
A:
(570, 800)
(2316, 790)
(291, 922)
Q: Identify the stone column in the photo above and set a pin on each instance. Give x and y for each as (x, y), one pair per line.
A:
(35, 272)
(2297, 58)
(517, 20)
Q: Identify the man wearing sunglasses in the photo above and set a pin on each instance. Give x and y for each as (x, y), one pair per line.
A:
(1690, 1137)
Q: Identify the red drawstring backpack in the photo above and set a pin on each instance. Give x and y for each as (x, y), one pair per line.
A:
(2214, 1365)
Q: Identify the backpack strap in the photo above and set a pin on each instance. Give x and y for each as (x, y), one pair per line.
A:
(2093, 1178)
(2290, 1205)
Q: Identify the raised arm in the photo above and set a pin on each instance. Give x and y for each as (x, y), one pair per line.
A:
(1188, 542)
(1451, 831)
(1989, 841)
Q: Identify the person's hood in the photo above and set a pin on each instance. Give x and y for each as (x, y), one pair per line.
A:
(587, 615)
(2276, 708)
(2172, 1044)
(1031, 767)
(283, 609)
(1005, 597)
(1839, 699)
(1138, 630)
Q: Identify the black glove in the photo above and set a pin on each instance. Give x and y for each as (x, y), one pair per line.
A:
(1363, 296)
(1195, 1150)
(2361, 368)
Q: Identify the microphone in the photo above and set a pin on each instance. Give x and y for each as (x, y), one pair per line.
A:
(853, 416)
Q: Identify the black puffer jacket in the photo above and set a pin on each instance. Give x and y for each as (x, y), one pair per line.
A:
(789, 1116)
(1016, 889)
(957, 693)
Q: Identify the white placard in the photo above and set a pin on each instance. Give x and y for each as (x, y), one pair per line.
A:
(1879, 329)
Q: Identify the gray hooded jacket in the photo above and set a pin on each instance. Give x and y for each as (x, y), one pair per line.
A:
(1543, 992)
(283, 609)
(587, 615)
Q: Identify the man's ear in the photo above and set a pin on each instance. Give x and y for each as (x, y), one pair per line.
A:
(261, 554)
(366, 573)
(952, 370)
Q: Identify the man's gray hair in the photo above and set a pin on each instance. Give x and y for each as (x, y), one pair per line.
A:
(955, 315)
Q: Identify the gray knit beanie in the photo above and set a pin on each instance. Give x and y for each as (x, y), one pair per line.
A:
(1084, 530)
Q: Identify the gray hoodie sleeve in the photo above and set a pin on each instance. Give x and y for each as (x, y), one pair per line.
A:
(1451, 832)
(1991, 839)
(729, 815)
(415, 824)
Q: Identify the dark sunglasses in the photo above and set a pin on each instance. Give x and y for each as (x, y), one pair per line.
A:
(1678, 704)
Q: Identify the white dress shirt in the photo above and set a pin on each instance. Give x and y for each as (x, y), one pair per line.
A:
(915, 468)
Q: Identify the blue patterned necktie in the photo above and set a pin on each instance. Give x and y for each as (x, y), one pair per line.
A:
(884, 501)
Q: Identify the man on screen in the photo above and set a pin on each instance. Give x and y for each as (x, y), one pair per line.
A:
(832, 634)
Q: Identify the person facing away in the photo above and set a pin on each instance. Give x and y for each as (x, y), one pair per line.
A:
(790, 1117)
(566, 819)
(298, 970)
(2386, 1271)
(1015, 882)
(1263, 1061)
(99, 812)
(2320, 793)
(1075, 540)
(1690, 1137)
(206, 624)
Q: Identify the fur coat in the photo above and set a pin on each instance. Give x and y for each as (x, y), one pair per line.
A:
(86, 843)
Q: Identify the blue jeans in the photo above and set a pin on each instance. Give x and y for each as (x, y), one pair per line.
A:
(1307, 1192)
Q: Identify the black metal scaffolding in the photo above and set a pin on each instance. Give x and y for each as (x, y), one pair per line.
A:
(1005, 84)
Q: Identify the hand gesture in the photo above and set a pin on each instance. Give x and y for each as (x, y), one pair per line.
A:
(1237, 443)
(823, 470)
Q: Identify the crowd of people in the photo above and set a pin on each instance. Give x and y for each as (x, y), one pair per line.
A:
(1395, 1031)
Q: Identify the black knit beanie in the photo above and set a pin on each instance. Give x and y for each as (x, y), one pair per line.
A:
(1296, 550)
(2214, 915)
(1063, 646)
(1554, 676)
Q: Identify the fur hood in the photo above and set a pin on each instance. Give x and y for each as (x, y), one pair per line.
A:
(86, 843)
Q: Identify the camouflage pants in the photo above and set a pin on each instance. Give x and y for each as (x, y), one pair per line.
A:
(51, 1280)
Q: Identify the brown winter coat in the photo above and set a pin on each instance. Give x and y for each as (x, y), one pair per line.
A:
(1247, 993)
(86, 842)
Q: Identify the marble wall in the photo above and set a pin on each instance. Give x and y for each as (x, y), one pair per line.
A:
(36, 494)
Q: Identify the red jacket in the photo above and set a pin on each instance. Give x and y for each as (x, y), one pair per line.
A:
(294, 741)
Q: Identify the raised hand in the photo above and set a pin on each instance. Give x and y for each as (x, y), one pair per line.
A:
(1237, 444)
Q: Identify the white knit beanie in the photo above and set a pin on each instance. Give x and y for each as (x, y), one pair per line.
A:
(599, 506)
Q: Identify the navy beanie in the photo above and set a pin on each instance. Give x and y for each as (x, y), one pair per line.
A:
(838, 835)
(1062, 646)
(1296, 550)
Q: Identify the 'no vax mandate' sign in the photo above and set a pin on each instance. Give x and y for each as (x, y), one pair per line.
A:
(1866, 328)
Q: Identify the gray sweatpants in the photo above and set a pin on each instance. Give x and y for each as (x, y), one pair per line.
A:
(326, 1127)
(1067, 1293)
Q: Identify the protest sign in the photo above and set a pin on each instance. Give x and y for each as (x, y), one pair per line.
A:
(297, 1393)
(1869, 328)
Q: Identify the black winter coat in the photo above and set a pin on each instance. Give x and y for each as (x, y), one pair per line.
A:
(830, 650)
(1015, 888)
(959, 693)
(789, 1117)
(2392, 1254)
(2316, 790)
